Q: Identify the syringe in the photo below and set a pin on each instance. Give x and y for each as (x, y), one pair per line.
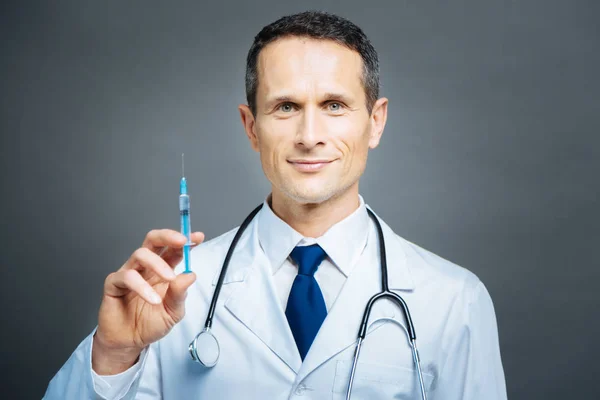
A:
(184, 215)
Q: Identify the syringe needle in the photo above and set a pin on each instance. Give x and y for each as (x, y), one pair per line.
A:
(182, 166)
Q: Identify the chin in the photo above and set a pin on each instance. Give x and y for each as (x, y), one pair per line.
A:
(309, 195)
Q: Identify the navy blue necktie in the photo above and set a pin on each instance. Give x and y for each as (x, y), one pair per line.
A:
(306, 309)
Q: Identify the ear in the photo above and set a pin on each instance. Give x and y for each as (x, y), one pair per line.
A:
(249, 125)
(378, 119)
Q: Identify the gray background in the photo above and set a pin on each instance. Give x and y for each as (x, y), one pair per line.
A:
(490, 159)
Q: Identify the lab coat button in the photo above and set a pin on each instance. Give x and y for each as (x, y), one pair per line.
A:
(300, 389)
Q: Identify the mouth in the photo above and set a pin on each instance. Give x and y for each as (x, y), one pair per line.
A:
(309, 165)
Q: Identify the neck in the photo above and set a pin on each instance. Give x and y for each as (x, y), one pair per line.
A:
(314, 219)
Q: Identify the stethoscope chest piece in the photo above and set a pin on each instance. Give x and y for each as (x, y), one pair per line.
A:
(205, 348)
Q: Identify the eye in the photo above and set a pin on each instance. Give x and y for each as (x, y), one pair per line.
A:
(334, 106)
(286, 107)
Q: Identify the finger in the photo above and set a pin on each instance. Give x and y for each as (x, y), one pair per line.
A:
(157, 239)
(146, 259)
(197, 238)
(174, 256)
(121, 282)
(175, 298)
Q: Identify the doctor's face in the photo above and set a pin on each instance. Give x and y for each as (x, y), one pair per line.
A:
(312, 127)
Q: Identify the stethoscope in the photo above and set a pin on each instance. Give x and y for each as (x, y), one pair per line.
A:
(205, 347)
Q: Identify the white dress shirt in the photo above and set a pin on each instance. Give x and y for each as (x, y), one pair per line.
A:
(343, 243)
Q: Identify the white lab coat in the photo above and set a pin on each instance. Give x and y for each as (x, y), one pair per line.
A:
(452, 312)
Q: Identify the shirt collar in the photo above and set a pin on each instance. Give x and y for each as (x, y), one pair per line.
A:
(343, 242)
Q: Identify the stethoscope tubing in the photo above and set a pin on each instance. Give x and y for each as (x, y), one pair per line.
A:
(236, 238)
(399, 301)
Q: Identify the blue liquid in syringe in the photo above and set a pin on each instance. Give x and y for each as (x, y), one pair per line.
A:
(184, 215)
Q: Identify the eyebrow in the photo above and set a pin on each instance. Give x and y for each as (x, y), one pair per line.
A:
(338, 96)
(279, 99)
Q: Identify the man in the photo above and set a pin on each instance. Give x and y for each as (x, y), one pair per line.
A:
(287, 327)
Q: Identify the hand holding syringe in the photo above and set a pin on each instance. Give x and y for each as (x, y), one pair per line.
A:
(144, 299)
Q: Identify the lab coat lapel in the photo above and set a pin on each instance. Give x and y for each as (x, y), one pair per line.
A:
(340, 328)
(255, 303)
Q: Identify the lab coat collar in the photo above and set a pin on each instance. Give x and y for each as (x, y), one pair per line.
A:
(343, 242)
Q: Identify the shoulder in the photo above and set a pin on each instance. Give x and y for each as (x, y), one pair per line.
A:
(443, 277)
(438, 267)
(425, 268)
(447, 282)
(218, 244)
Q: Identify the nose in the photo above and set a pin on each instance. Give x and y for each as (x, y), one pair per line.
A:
(311, 131)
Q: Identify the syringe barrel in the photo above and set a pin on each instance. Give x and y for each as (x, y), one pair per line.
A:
(184, 203)
(184, 216)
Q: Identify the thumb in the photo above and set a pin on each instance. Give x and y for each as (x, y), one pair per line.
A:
(174, 300)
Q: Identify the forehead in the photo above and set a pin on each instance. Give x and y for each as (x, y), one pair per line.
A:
(300, 64)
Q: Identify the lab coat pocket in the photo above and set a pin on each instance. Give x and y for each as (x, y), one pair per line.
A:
(378, 381)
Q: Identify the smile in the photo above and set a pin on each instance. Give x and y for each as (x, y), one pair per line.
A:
(309, 166)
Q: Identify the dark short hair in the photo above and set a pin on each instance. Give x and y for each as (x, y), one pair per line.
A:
(316, 25)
